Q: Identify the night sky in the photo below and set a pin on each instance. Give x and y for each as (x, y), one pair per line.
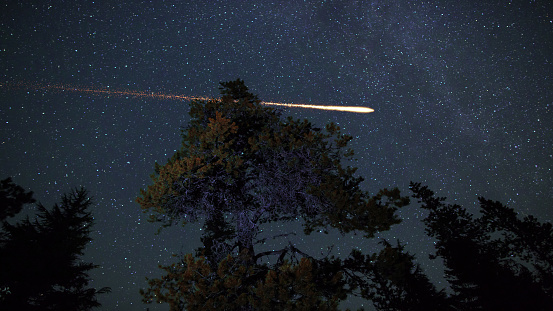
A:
(462, 92)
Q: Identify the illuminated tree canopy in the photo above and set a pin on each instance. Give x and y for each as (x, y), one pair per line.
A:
(241, 166)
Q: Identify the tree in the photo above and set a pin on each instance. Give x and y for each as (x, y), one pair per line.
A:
(41, 259)
(393, 281)
(497, 261)
(241, 166)
(12, 198)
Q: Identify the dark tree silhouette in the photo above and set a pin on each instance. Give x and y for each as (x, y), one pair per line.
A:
(495, 262)
(393, 281)
(41, 259)
(12, 198)
(241, 166)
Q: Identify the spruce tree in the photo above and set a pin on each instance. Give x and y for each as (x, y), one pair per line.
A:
(492, 262)
(41, 262)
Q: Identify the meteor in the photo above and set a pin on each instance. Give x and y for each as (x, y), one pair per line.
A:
(358, 109)
(131, 93)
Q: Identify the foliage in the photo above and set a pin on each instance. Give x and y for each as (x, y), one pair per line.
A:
(241, 166)
(12, 198)
(392, 281)
(44, 258)
(233, 286)
(497, 261)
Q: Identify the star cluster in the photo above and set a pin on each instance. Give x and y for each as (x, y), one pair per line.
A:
(462, 93)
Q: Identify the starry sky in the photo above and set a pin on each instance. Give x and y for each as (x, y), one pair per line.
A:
(462, 92)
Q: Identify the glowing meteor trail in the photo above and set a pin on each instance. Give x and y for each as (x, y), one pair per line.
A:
(357, 109)
(130, 93)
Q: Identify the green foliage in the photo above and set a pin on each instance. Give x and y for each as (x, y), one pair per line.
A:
(240, 166)
(235, 286)
(237, 154)
(44, 258)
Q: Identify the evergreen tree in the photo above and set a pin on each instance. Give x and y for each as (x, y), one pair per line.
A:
(41, 259)
(241, 166)
(495, 262)
(393, 281)
(12, 198)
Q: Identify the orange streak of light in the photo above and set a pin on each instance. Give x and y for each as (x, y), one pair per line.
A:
(357, 109)
(130, 93)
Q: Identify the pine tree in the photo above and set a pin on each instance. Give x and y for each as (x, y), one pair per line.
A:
(41, 259)
(12, 198)
(495, 262)
(241, 166)
(393, 281)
